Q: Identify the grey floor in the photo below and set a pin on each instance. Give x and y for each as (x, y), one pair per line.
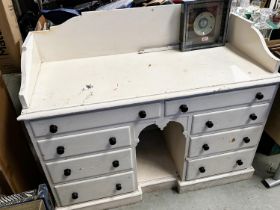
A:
(247, 195)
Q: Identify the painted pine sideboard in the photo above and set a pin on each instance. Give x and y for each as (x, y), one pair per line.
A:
(92, 93)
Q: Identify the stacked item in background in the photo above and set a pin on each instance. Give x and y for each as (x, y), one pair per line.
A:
(18, 170)
(10, 38)
(263, 16)
(38, 199)
(274, 46)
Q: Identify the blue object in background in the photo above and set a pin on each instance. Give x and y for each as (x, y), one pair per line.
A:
(58, 16)
(117, 5)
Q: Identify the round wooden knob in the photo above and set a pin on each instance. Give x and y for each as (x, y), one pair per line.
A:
(116, 164)
(67, 172)
(118, 187)
(112, 141)
(142, 114)
(253, 116)
(239, 162)
(205, 147)
(259, 96)
(75, 195)
(209, 124)
(53, 128)
(60, 150)
(184, 108)
(202, 170)
(246, 140)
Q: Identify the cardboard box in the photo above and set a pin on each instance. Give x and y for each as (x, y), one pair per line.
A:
(34, 205)
(10, 38)
(18, 170)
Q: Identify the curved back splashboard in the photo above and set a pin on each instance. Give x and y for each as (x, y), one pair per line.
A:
(248, 40)
(110, 32)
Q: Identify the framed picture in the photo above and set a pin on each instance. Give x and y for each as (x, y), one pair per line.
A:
(203, 23)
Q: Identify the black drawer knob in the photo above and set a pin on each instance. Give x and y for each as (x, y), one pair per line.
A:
(184, 108)
(116, 163)
(205, 147)
(202, 170)
(259, 96)
(75, 195)
(253, 116)
(239, 162)
(112, 140)
(142, 114)
(209, 124)
(67, 172)
(53, 128)
(246, 140)
(118, 187)
(60, 150)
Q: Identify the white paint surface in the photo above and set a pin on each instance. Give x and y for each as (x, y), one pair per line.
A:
(133, 77)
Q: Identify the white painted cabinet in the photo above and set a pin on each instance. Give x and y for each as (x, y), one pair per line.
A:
(88, 103)
(106, 155)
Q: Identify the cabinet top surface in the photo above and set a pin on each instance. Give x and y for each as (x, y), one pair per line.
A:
(123, 79)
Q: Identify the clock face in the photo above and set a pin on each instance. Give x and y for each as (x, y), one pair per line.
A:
(204, 23)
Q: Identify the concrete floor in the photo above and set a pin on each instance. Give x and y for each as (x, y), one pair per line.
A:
(248, 195)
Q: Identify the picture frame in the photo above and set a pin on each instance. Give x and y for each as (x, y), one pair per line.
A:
(203, 23)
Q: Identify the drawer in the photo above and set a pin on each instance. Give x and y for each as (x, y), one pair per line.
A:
(219, 164)
(93, 189)
(230, 118)
(76, 122)
(225, 141)
(219, 100)
(92, 165)
(85, 143)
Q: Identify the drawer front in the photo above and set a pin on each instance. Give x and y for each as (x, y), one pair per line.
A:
(220, 100)
(219, 164)
(85, 143)
(64, 124)
(229, 118)
(93, 189)
(224, 141)
(87, 166)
